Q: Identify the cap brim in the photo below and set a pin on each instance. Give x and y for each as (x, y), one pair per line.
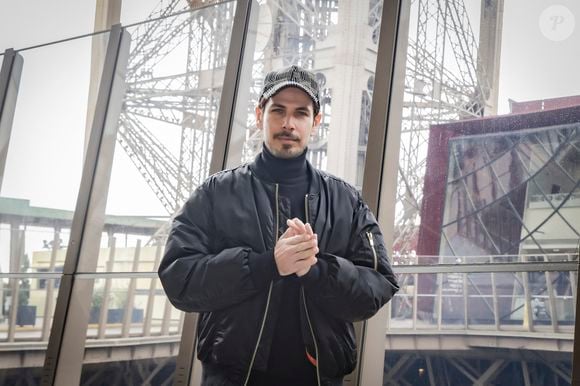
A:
(289, 83)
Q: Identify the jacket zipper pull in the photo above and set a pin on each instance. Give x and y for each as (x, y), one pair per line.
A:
(372, 244)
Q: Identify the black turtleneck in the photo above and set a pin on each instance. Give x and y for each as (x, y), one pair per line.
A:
(287, 364)
(289, 173)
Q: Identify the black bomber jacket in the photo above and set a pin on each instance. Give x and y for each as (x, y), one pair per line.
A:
(215, 264)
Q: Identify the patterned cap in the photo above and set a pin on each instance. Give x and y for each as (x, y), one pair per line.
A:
(292, 76)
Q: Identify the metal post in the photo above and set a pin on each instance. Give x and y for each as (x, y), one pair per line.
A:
(382, 158)
(152, 291)
(238, 68)
(50, 284)
(415, 299)
(104, 310)
(465, 302)
(576, 353)
(552, 301)
(63, 362)
(528, 315)
(9, 83)
(129, 303)
(440, 300)
(230, 132)
(495, 302)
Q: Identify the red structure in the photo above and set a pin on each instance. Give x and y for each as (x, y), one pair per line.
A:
(438, 158)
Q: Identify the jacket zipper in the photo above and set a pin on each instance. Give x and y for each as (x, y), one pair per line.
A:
(306, 308)
(372, 243)
(267, 300)
(313, 337)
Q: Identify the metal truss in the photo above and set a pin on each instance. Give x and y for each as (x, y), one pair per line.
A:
(189, 99)
(434, 91)
(484, 367)
(156, 371)
(444, 82)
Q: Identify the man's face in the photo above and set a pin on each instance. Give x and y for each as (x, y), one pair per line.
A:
(287, 121)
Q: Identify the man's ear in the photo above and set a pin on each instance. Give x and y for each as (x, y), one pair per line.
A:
(259, 117)
(317, 120)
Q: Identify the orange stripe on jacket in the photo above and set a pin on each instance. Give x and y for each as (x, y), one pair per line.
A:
(311, 359)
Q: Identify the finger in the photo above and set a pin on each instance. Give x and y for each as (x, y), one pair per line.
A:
(305, 253)
(309, 229)
(292, 224)
(299, 223)
(298, 239)
(297, 252)
(289, 232)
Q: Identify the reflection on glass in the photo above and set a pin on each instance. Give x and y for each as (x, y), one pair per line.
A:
(131, 313)
(496, 202)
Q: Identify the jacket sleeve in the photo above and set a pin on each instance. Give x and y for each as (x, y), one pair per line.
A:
(354, 287)
(198, 278)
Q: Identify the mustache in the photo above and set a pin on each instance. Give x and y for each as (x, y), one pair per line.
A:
(287, 135)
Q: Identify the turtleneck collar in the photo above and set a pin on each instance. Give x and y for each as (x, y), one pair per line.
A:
(281, 170)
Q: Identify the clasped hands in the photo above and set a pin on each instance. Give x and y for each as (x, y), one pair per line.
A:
(296, 249)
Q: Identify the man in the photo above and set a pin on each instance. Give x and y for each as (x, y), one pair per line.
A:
(277, 257)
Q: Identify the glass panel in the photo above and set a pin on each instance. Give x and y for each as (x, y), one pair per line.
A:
(52, 21)
(163, 150)
(38, 195)
(320, 36)
(496, 189)
(165, 134)
(41, 182)
(132, 313)
(489, 161)
(441, 324)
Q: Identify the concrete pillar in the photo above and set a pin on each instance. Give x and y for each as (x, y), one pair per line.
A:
(489, 52)
(107, 13)
(348, 77)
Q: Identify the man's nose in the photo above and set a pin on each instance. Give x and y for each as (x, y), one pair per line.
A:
(289, 122)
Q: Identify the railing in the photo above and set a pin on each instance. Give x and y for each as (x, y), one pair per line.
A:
(131, 309)
(541, 201)
(518, 302)
(413, 259)
(128, 309)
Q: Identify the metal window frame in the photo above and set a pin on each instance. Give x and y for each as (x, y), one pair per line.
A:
(64, 354)
(238, 71)
(576, 350)
(10, 74)
(379, 173)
